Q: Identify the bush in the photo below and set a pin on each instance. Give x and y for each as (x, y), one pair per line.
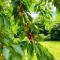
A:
(55, 32)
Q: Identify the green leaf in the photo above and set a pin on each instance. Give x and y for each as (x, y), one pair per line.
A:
(6, 53)
(18, 49)
(29, 17)
(23, 44)
(0, 49)
(37, 52)
(4, 21)
(1, 21)
(42, 53)
(1, 35)
(30, 51)
(14, 55)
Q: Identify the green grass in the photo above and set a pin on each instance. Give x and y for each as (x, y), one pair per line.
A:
(53, 47)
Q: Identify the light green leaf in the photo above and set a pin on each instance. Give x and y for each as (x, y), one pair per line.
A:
(18, 49)
(6, 53)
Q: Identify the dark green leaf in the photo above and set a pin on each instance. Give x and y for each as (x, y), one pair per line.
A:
(1, 21)
(29, 17)
(30, 51)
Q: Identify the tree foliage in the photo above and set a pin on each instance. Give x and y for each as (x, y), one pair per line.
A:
(57, 4)
(19, 31)
(55, 32)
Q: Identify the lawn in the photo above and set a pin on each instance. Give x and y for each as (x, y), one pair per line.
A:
(53, 47)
